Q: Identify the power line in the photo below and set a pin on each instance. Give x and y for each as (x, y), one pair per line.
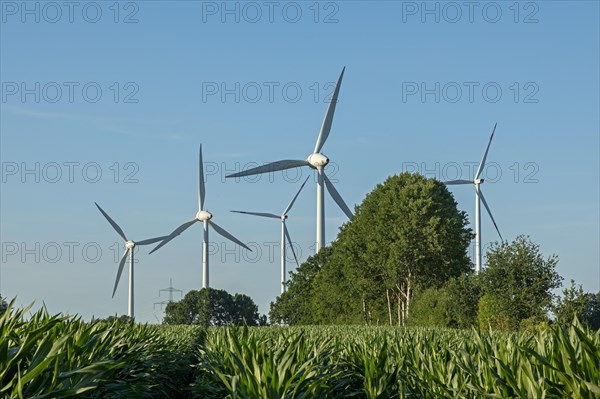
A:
(170, 290)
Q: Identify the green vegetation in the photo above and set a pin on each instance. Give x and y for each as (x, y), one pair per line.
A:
(59, 357)
(211, 307)
(392, 362)
(514, 292)
(517, 285)
(3, 305)
(407, 235)
(402, 260)
(418, 324)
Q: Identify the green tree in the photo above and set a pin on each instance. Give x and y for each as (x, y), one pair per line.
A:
(591, 316)
(211, 307)
(338, 298)
(455, 305)
(430, 308)
(244, 311)
(123, 319)
(493, 314)
(463, 295)
(262, 320)
(576, 303)
(407, 234)
(3, 305)
(517, 284)
(294, 307)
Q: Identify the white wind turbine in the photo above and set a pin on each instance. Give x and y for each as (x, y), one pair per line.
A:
(204, 217)
(479, 196)
(129, 247)
(316, 160)
(284, 232)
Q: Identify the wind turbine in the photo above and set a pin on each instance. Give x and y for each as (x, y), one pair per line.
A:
(205, 217)
(479, 196)
(316, 160)
(284, 232)
(129, 246)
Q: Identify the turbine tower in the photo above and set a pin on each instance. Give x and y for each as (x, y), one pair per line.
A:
(284, 232)
(205, 217)
(129, 247)
(479, 198)
(316, 160)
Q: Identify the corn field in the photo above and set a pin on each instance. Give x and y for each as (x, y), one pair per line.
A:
(384, 362)
(61, 357)
(47, 356)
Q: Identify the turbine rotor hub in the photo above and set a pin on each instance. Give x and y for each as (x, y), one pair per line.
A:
(129, 244)
(478, 181)
(203, 216)
(317, 160)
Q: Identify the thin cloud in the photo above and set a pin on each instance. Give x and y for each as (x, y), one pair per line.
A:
(39, 114)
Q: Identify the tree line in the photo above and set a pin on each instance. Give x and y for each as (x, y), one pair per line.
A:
(212, 307)
(403, 260)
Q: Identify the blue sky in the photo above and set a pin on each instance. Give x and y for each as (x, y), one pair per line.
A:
(109, 104)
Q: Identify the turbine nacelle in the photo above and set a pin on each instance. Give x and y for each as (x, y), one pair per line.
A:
(129, 244)
(317, 160)
(478, 181)
(284, 217)
(203, 216)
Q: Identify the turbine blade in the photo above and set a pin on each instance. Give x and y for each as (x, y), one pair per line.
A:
(112, 223)
(271, 167)
(326, 127)
(150, 240)
(201, 189)
(337, 197)
(174, 234)
(489, 212)
(266, 215)
(289, 207)
(121, 264)
(482, 163)
(289, 240)
(227, 235)
(455, 182)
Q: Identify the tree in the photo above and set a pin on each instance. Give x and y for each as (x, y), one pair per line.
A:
(407, 234)
(431, 308)
(517, 285)
(464, 293)
(576, 303)
(338, 298)
(455, 305)
(123, 319)
(294, 307)
(211, 307)
(591, 315)
(262, 320)
(491, 313)
(244, 311)
(3, 305)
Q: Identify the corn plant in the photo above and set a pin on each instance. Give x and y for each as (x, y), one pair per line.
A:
(387, 362)
(60, 357)
(280, 366)
(44, 356)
